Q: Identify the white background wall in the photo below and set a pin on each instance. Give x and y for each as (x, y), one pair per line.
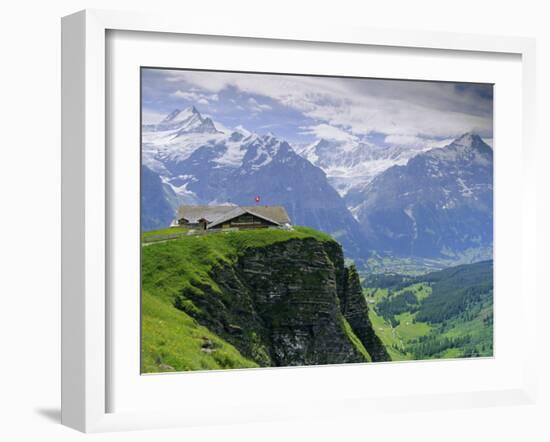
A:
(30, 221)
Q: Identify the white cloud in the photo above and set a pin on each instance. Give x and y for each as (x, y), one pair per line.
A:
(418, 142)
(195, 96)
(329, 132)
(255, 106)
(439, 143)
(210, 82)
(191, 96)
(394, 108)
(404, 140)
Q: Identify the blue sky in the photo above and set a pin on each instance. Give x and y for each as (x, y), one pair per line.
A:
(301, 109)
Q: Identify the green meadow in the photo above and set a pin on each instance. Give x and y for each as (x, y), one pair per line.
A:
(442, 314)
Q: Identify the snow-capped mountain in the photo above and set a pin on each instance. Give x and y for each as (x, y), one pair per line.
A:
(157, 201)
(174, 138)
(439, 204)
(185, 121)
(232, 167)
(353, 163)
(412, 201)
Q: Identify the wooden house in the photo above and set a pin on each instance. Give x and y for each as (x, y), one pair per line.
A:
(226, 217)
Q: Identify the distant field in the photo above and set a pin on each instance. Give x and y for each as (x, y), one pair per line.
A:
(419, 266)
(397, 338)
(443, 314)
(393, 342)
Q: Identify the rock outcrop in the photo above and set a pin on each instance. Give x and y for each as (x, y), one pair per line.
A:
(290, 303)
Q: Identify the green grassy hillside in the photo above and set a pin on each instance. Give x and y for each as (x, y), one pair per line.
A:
(443, 314)
(172, 339)
(168, 266)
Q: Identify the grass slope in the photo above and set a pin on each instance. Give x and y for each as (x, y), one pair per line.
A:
(356, 342)
(171, 339)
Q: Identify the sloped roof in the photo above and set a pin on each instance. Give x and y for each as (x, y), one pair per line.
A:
(276, 214)
(218, 214)
(237, 211)
(211, 213)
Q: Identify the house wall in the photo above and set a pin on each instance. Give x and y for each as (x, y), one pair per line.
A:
(245, 222)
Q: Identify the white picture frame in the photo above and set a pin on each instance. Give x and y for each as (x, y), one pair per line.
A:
(86, 201)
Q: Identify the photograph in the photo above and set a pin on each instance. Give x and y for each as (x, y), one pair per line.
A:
(304, 220)
(273, 221)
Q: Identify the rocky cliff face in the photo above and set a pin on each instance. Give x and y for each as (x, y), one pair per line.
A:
(290, 303)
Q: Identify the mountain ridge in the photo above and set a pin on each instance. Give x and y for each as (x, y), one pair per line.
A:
(372, 199)
(440, 202)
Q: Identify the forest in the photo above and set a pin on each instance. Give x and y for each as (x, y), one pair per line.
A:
(442, 314)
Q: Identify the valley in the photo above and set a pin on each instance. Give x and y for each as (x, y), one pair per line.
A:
(442, 314)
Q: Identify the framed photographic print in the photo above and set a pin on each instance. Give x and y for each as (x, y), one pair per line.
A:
(257, 189)
(249, 215)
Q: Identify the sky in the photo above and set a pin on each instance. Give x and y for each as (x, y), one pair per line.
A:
(301, 109)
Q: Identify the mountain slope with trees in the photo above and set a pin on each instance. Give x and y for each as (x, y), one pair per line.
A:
(448, 313)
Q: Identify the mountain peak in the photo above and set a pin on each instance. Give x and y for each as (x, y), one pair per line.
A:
(189, 112)
(181, 115)
(469, 139)
(171, 116)
(187, 121)
(322, 142)
(192, 110)
(468, 148)
(242, 130)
